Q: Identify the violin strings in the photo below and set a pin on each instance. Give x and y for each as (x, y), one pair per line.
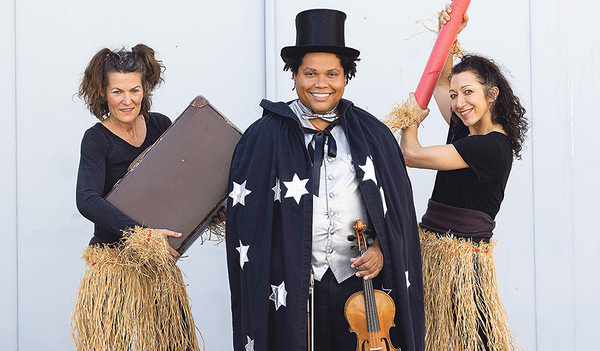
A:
(372, 316)
(370, 306)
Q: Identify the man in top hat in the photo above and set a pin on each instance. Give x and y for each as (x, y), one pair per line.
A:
(300, 177)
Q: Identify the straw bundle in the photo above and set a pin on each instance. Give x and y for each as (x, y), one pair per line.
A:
(463, 310)
(132, 297)
(214, 232)
(401, 117)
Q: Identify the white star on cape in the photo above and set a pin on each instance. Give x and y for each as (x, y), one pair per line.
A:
(279, 295)
(243, 249)
(383, 201)
(387, 291)
(369, 170)
(249, 344)
(239, 193)
(296, 188)
(277, 190)
(407, 281)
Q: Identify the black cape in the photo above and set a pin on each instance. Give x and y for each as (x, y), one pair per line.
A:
(269, 228)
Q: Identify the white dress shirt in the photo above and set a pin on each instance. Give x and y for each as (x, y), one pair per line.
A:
(336, 209)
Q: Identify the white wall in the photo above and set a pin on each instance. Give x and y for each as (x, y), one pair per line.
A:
(566, 56)
(228, 51)
(8, 198)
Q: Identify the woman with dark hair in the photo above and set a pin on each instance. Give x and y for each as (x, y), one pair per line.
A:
(132, 296)
(300, 177)
(463, 310)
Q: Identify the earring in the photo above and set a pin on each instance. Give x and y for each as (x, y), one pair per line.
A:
(294, 87)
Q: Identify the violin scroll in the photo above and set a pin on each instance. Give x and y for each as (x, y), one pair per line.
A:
(361, 232)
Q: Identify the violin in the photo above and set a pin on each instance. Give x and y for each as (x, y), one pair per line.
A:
(370, 312)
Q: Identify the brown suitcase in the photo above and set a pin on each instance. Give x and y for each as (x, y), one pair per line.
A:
(180, 182)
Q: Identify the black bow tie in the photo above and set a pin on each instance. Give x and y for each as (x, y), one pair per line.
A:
(317, 153)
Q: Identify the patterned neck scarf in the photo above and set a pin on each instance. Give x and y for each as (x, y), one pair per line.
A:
(329, 116)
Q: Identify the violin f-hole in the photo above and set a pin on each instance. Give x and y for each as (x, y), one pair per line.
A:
(370, 312)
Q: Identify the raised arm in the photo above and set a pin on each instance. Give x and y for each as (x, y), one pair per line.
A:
(440, 93)
(440, 157)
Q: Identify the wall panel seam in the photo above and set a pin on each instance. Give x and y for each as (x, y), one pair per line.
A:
(16, 159)
(531, 130)
(270, 44)
(265, 4)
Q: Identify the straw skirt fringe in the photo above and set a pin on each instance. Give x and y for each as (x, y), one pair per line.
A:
(131, 299)
(462, 303)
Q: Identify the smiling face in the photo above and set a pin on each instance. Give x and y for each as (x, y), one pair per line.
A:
(320, 81)
(124, 95)
(469, 100)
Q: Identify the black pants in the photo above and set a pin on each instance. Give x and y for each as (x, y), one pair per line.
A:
(331, 329)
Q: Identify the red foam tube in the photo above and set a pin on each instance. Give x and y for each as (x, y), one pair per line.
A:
(440, 52)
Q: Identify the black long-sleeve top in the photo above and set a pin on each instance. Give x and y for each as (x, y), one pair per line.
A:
(104, 160)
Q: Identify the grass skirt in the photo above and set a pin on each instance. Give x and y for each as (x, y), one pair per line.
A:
(132, 297)
(463, 310)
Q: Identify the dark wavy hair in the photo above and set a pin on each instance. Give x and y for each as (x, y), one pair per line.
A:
(95, 78)
(506, 109)
(348, 64)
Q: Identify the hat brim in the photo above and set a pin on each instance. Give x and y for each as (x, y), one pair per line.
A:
(294, 51)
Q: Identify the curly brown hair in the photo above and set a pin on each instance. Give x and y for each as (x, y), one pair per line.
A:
(140, 60)
(506, 109)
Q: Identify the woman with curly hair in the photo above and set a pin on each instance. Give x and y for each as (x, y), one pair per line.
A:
(132, 296)
(463, 310)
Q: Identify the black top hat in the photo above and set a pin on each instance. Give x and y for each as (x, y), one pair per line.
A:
(319, 30)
